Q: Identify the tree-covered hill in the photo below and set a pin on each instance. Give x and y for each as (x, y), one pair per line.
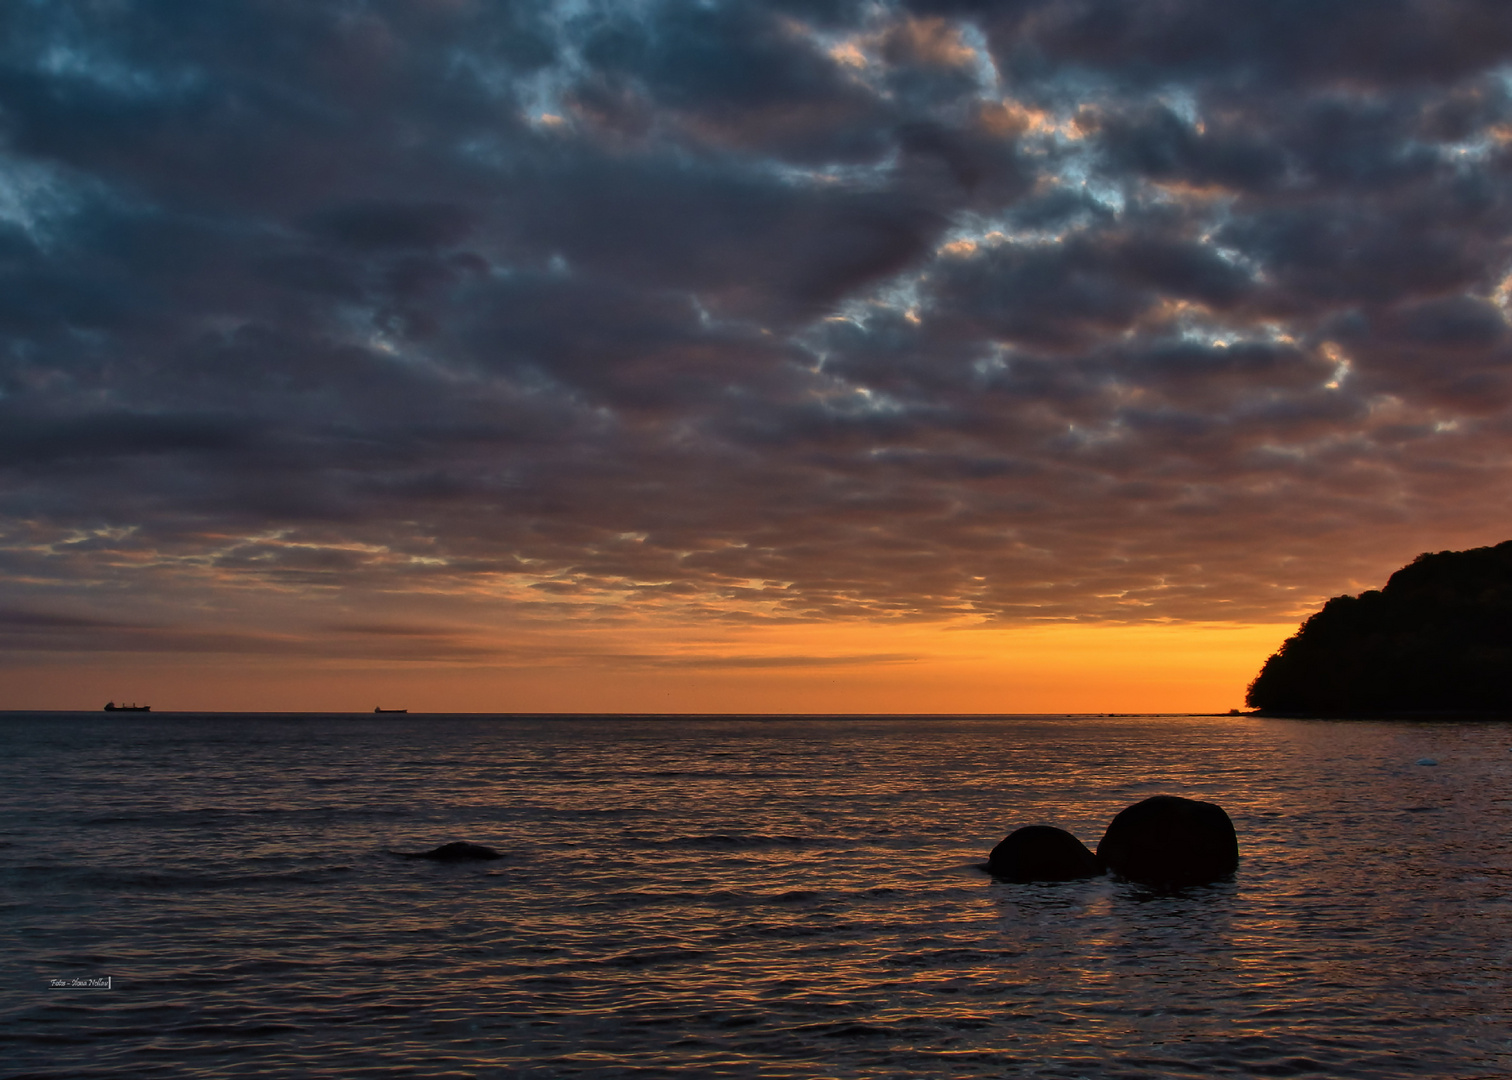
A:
(1437, 638)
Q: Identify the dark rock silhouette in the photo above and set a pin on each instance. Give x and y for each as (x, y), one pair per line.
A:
(1437, 638)
(1169, 841)
(457, 851)
(1042, 853)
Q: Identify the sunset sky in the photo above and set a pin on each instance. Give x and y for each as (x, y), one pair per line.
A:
(1025, 356)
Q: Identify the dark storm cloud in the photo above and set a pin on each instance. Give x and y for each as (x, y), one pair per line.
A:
(1069, 294)
(755, 245)
(752, 312)
(374, 226)
(1264, 41)
(27, 441)
(1156, 143)
(727, 56)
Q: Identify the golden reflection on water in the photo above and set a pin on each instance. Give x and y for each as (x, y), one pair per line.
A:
(778, 898)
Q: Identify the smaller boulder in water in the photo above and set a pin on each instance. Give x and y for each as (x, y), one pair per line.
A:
(1169, 841)
(1042, 853)
(457, 851)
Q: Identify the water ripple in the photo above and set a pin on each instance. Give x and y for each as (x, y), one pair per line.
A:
(743, 898)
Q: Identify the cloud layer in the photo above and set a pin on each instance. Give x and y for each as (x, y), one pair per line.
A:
(1041, 309)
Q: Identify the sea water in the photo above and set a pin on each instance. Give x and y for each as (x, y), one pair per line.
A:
(218, 896)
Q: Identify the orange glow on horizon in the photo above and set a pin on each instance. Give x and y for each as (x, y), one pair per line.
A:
(834, 668)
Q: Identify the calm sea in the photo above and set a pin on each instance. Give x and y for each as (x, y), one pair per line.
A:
(744, 897)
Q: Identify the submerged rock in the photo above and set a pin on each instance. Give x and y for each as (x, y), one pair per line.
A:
(1170, 841)
(457, 851)
(1042, 853)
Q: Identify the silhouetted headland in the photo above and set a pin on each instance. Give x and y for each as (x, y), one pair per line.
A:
(1437, 640)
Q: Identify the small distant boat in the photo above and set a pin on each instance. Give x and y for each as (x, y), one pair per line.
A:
(111, 706)
(376, 709)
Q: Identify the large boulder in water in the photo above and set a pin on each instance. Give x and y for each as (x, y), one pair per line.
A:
(1042, 853)
(1171, 841)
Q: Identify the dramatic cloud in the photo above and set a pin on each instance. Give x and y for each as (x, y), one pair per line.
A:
(377, 324)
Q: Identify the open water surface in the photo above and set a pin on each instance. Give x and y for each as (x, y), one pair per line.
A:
(743, 897)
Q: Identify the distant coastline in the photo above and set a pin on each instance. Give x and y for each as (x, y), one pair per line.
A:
(1231, 714)
(1446, 715)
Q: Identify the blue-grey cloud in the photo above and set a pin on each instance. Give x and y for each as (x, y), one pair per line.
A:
(1047, 309)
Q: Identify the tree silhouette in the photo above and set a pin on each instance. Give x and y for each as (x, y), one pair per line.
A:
(1437, 638)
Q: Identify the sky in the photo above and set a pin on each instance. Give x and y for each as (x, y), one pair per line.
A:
(931, 356)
